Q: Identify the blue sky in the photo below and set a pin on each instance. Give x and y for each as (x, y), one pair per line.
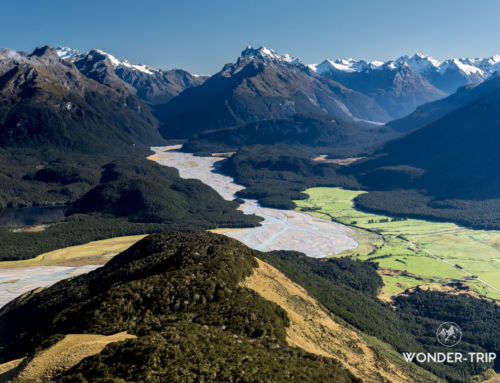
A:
(201, 36)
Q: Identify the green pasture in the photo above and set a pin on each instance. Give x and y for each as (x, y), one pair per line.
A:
(429, 252)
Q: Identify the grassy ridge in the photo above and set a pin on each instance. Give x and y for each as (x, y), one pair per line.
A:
(181, 294)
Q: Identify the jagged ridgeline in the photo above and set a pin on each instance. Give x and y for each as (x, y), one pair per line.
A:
(46, 101)
(180, 294)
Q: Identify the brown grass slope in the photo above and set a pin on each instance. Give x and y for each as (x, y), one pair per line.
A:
(317, 331)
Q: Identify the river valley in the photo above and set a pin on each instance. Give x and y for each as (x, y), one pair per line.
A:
(280, 230)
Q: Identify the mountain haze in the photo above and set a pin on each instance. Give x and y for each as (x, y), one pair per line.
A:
(451, 163)
(261, 85)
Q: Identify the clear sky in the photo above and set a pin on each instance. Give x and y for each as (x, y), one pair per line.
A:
(202, 35)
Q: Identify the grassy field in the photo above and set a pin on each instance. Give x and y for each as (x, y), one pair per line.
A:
(422, 252)
(92, 253)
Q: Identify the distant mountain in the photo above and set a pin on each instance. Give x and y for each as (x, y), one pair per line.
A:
(261, 85)
(396, 87)
(432, 111)
(446, 76)
(320, 133)
(47, 102)
(148, 83)
(452, 162)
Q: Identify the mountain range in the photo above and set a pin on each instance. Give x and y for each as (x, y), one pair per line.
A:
(261, 85)
(94, 103)
(149, 84)
(445, 75)
(75, 127)
(45, 100)
(278, 86)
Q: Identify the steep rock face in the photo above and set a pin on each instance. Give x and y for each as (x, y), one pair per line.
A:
(47, 101)
(160, 86)
(98, 66)
(261, 85)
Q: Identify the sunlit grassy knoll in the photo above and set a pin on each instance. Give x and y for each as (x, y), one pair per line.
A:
(97, 252)
(394, 284)
(433, 252)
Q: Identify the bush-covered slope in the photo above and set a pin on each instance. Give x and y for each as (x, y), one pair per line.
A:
(433, 111)
(447, 169)
(180, 294)
(347, 289)
(315, 133)
(275, 175)
(143, 191)
(127, 196)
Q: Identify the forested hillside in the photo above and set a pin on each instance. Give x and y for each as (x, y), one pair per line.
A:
(181, 291)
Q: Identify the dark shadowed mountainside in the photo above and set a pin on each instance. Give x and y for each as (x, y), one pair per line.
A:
(449, 168)
(432, 111)
(317, 133)
(46, 101)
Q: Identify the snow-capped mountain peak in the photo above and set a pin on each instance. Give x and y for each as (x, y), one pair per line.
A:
(419, 62)
(347, 65)
(268, 54)
(465, 66)
(67, 53)
(71, 54)
(114, 61)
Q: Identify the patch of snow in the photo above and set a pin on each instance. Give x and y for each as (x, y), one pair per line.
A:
(420, 63)
(114, 61)
(462, 66)
(271, 55)
(67, 53)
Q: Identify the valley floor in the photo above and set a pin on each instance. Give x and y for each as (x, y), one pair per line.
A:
(280, 230)
(414, 252)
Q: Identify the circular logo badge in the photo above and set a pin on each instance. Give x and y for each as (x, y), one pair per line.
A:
(449, 334)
